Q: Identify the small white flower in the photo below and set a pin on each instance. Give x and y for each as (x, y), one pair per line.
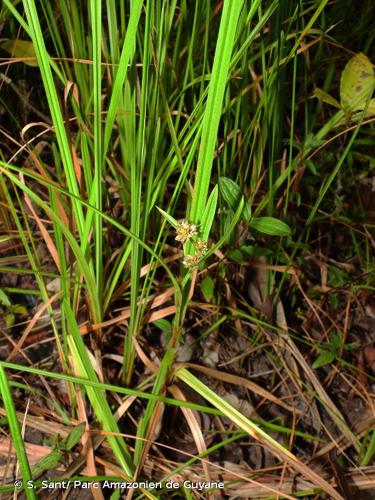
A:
(191, 261)
(200, 247)
(185, 231)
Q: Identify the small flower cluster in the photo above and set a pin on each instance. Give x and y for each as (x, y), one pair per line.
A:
(201, 247)
(191, 261)
(187, 231)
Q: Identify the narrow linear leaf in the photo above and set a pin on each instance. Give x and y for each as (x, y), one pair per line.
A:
(97, 398)
(109, 387)
(6, 169)
(220, 71)
(209, 214)
(44, 63)
(254, 430)
(127, 53)
(168, 217)
(49, 462)
(16, 433)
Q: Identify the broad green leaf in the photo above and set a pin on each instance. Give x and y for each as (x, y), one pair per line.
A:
(232, 194)
(227, 223)
(371, 107)
(370, 111)
(230, 191)
(18, 309)
(311, 166)
(335, 342)
(9, 320)
(209, 214)
(230, 224)
(323, 359)
(74, 437)
(4, 300)
(325, 97)
(207, 287)
(236, 255)
(163, 324)
(357, 83)
(270, 226)
(21, 49)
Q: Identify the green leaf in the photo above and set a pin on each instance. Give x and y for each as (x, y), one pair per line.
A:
(232, 194)
(254, 251)
(325, 97)
(9, 320)
(18, 309)
(311, 141)
(127, 53)
(21, 49)
(48, 462)
(227, 223)
(230, 191)
(335, 342)
(169, 218)
(270, 226)
(251, 428)
(323, 359)
(17, 437)
(163, 324)
(226, 39)
(4, 300)
(357, 83)
(236, 255)
(352, 346)
(311, 166)
(45, 66)
(209, 214)
(74, 437)
(207, 287)
(337, 277)
(370, 110)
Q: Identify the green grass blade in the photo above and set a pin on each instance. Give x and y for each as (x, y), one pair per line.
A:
(127, 53)
(219, 76)
(108, 387)
(16, 434)
(96, 28)
(97, 398)
(53, 103)
(253, 430)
